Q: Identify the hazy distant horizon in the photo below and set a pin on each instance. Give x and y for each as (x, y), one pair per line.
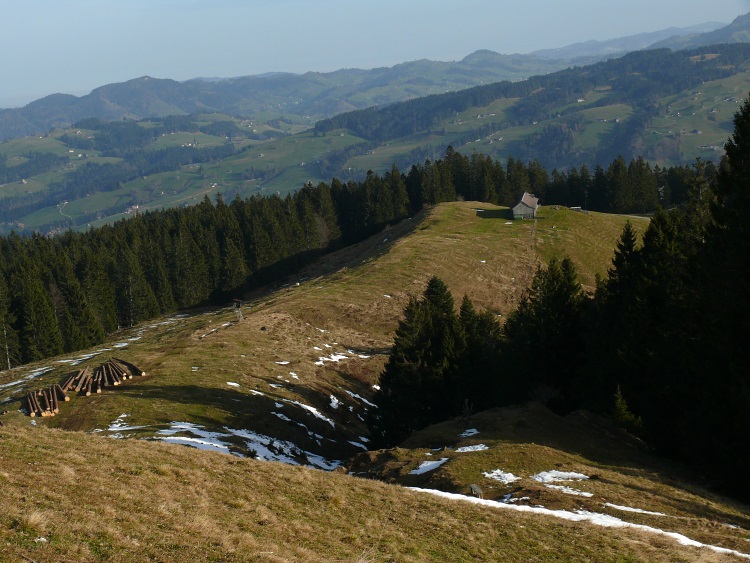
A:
(75, 46)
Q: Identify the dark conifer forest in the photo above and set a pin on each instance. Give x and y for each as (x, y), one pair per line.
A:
(660, 345)
(64, 293)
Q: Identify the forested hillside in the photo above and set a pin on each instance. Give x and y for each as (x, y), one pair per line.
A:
(64, 293)
(659, 346)
(304, 97)
(664, 107)
(316, 95)
(555, 105)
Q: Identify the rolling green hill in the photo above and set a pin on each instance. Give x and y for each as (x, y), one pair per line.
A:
(315, 95)
(292, 381)
(304, 97)
(668, 107)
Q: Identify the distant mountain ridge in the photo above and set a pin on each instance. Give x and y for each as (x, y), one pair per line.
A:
(315, 95)
(622, 45)
(736, 32)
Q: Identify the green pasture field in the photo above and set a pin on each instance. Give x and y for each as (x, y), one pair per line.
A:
(40, 144)
(183, 138)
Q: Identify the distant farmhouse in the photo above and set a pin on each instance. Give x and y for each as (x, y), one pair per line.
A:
(526, 208)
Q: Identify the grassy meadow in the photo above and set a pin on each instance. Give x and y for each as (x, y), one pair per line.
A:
(292, 380)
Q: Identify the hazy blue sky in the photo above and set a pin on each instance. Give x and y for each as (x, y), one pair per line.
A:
(73, 46)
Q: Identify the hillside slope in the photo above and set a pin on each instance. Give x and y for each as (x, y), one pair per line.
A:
(668, 108)
(736, 32)
(313, 94)
(300, 365)
(69, 496)
(291, 381)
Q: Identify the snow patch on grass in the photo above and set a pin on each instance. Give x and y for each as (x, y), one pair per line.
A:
(569, 491)
(474, 448)
(555, 476)
(630, 509)
(315, 412)
(427, 466)
(265, 448)
(502, 476)
(28, 377)
(365, 401)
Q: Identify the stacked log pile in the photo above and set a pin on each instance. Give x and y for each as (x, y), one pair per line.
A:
(45, 402)
(113, 372)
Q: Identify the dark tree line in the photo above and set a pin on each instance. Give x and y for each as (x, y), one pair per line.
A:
(59, 294)
(178, 258)
(660, 347)
(35, 163)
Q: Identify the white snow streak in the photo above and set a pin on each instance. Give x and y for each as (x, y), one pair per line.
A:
(265, 448)
(365, 401)
(630, 509)
(315, 412)
(555, 476)
(475, 448)
(569, 491)
(426, 466)
(502, 476)
(584, 516)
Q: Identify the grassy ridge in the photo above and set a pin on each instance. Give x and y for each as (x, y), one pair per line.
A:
(348, 302)
(93, 498)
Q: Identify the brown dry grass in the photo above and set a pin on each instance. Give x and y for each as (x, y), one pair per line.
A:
(99, 499)
(141, 501)
(355, 296)
(531, 439)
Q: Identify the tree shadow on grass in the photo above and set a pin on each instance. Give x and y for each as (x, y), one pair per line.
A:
(504, 214)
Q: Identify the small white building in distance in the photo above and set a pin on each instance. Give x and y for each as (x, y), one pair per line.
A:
(526, 208)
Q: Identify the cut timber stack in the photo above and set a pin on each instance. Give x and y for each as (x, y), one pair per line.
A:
(45, 402)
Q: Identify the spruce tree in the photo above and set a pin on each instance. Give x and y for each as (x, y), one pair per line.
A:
(543, 336)
(136, 301)
(39, 332)
(191, 281)
(480, 383)
(9, 347)
(722, 307)
(416, 385)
